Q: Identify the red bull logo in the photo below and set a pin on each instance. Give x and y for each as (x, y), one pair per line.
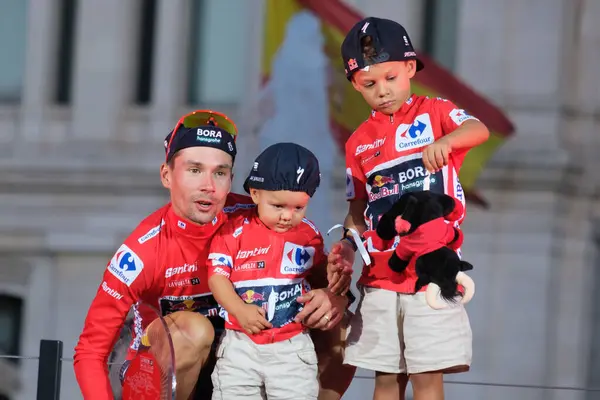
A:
(250, 296)
(384, 192)
(380, 180)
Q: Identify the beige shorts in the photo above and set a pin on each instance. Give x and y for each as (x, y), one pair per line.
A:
(277, 371)
(399, 333)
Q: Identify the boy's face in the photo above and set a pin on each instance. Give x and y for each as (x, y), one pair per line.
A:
(280, 210)
(385, 86)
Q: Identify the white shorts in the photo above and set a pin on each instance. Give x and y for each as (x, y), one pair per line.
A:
(399, 333)
(277, 371)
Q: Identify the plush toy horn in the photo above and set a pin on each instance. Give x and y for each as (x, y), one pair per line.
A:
(467, 282)
(431, 294)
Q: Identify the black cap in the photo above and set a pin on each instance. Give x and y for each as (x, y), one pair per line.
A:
(205, 136)
(285, 166)
(388, 38)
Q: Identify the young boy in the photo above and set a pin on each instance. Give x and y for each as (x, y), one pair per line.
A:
(406, 141)
(259, 263)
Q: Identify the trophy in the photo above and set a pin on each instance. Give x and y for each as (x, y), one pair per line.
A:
(142, 365)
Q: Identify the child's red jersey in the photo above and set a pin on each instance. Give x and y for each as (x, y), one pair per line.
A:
(384, 160)
(267, 269)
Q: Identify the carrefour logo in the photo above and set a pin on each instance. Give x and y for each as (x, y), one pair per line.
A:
(296, 259)
(221, 259)
(125, 265)
(415, 135)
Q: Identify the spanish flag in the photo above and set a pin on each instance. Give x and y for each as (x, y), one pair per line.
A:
(347, 108)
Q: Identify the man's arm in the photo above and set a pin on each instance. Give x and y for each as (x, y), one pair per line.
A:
(104, 322)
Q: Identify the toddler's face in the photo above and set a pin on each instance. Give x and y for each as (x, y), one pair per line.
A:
(280, 210)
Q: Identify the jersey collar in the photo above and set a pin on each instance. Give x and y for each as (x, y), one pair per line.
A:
(189, 228)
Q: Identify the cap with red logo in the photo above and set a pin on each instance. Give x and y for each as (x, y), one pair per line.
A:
(388, 39)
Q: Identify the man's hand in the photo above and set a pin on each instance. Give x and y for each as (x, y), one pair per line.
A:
(339, 267)
(322, 309)
(251, 318)
(436, 155)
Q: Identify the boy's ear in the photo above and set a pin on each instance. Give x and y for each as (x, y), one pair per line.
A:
(254, 195)
(355, 85)
(411, 66)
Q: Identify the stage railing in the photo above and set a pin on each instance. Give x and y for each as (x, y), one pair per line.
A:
(50, 363)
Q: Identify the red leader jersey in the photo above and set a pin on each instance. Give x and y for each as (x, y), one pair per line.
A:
(384, 160)
(162, 263)
(267, 269)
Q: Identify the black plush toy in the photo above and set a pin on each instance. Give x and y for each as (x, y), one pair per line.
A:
(428, 244)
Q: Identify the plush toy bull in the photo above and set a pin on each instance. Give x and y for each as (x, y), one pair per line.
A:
(428, 243)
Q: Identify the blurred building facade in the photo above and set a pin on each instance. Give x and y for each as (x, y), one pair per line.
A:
(90, 88)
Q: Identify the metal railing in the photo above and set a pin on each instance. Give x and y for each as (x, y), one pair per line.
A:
(50, 360)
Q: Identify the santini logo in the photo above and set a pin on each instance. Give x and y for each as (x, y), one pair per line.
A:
(258, 251)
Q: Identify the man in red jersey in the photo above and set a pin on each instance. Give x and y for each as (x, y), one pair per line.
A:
(163, 263)
(409, 143)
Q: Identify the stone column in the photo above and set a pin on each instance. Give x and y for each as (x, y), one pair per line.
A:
(170, 65)
(107, 33)
(40, 68)
(250, 115)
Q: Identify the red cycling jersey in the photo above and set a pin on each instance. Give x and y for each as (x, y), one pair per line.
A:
(384, 160)
(161, 263)
(267, 269)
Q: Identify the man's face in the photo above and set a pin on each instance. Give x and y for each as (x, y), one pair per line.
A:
(199, 179)
(385, 86)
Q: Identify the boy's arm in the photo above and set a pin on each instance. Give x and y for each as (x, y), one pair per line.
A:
(461, 132)
(470, 134)
(341, 256)
(220, 264)
(224, 293)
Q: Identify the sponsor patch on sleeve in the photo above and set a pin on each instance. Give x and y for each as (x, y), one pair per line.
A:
(125, 265)
(459, 116)
(350, 193)
(219, 259)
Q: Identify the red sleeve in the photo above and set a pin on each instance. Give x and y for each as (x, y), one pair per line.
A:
(126, 278)
(220, 257)
(312, 242)
(320, 257)
(451, 117)
(356, 181)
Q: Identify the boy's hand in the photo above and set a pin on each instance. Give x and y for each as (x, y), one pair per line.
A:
(251, 318)
(339, 267)
(339, 282)
(436, 155)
